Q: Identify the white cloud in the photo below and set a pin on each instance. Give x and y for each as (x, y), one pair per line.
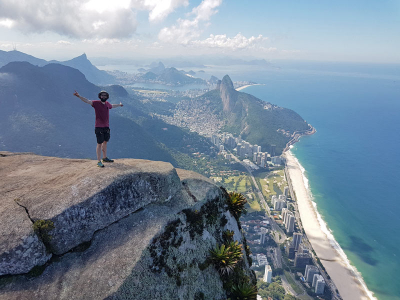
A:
(66, 43)
(206, 9)
(235, 43)
(183, 33)
(188, 29)
(103, 41)
(8, 23)
(102, 6)
(82, 18)
(159, 10)
(72, 18)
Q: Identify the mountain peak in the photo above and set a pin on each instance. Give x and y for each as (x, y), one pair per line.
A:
(83, 56)
(227, 82)
(228, 93)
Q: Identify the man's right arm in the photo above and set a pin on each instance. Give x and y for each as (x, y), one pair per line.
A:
(83, 98)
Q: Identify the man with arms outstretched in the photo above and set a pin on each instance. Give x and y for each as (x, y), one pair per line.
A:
(102, 127)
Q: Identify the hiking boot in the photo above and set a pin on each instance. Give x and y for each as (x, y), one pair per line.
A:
(106, 159)
(100, 164)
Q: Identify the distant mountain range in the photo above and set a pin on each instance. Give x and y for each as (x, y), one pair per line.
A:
(169, 76)
(40, 114)
(81, 63)
(186, 62)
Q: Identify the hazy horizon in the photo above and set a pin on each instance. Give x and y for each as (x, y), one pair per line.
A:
(341, 31)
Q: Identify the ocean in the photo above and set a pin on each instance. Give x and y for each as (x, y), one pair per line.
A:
(351, 163)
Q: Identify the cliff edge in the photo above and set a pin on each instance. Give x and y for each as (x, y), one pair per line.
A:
(135, 229)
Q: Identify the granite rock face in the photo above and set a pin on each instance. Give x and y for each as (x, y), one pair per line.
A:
(147, 229)
(20, 247)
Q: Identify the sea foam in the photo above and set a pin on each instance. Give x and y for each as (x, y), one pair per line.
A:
(328, 232)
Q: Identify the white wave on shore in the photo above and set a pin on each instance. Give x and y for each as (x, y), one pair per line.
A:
(328, 232)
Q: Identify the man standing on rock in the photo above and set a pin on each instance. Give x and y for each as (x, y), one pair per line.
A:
(102, 127)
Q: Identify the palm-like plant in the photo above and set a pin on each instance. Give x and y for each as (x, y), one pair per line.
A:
(244, 291)
(225, 257)
(227, 235)
(236, 203)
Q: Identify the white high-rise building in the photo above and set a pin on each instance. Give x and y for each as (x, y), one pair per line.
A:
(288, 213)
(215, 139)
(290, 222)
(247, 147)
(255, 157)
(262, 235)
(279, 204)
(303, 249)
(297, 240)
(284, 212)
(319, 284)
(286, 191)
(262, 164)
(310, 272)
(255, 148)
(221, 147)
(258, 159)
(276, 160)
(268, 274)
(258, 149)
(273, 199)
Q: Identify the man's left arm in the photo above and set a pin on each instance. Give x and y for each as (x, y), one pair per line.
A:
(117, 105)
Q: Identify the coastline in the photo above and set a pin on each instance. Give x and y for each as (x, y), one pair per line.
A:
(246, 86)
(346, 278)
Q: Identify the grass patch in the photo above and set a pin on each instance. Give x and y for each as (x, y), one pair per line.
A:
(240, 184)
(254, 204)
(292, 283)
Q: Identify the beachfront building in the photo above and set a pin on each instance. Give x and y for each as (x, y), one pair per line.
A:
(319, 284)
(284, 212)
(289, 225)
(297, 240)
(279, 204)
(276, 160)
(286, 191)
(302, 259)
(268, 274)
(303, 249)
(310, 272)
(290, 251)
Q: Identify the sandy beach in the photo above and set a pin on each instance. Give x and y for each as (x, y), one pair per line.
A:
(349, 284)
(245, 86)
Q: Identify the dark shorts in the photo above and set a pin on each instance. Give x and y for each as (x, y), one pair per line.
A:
(102, 134)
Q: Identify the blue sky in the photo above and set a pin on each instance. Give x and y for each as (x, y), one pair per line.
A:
(361, 31)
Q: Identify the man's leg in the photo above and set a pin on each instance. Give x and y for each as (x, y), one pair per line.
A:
(100, 140)
(104, 149)
(98, 151)
(104, 146)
